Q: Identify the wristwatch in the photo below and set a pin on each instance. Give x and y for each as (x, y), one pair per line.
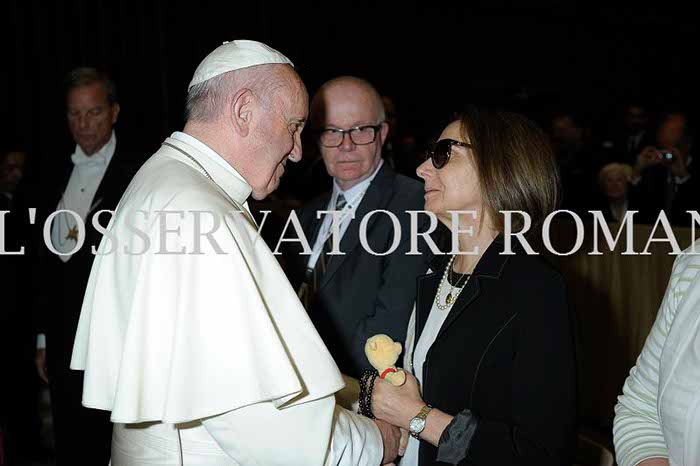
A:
(417, 424)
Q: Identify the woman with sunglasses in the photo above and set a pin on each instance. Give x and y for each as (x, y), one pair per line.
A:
(490, 340)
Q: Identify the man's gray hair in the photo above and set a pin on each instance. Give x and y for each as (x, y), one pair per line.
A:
(206, 101)
(85, 76)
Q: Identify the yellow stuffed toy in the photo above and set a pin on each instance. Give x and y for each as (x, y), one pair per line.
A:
(383, 353)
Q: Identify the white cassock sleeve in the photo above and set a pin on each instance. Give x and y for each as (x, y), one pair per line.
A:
(262, 435)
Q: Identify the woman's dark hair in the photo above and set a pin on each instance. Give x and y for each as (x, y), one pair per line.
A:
(515, 165)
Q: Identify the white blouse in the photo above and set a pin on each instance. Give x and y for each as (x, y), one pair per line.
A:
(658, 414)
(415, 358)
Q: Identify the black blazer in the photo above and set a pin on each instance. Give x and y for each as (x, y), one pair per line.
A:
(62, 284)
(506, 352)
(362, 294)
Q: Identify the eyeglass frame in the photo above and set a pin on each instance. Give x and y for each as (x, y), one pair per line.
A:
(343, 132)
(432, 153)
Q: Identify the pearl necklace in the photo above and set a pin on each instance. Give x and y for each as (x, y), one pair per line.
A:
(449, 300)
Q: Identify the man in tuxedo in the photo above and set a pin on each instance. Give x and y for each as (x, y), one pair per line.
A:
(355, 295)
(87, 182)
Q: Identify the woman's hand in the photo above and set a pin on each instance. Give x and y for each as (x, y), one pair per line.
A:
(397, 405)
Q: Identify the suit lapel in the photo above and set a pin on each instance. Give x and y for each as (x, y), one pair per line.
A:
(60, 184)
(468, 295)
(376, 197)
(109, 182)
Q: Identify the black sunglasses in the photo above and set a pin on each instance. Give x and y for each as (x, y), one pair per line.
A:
(441, 151)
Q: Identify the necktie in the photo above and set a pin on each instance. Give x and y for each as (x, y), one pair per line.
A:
(313, 276)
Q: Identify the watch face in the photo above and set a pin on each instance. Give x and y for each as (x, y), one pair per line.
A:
(417, 425)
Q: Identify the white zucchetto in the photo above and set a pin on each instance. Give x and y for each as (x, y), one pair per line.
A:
(236, 55)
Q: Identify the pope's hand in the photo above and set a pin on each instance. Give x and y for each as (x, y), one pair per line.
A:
(391, 437)
(397, 405)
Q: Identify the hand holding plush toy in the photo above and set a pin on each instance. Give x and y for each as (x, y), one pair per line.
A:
(383, 353)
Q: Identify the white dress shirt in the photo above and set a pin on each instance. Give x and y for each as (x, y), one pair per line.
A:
(414, 357)
(78, 197)
(353, 197)
(212, 155)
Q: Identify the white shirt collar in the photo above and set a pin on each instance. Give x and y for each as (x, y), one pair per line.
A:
(102, 157)
(223, 174)
(208, 151)
(358, 188)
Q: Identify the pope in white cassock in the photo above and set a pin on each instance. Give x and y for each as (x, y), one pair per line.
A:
(190, 333)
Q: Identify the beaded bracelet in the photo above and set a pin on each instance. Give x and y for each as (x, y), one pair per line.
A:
(366, 388)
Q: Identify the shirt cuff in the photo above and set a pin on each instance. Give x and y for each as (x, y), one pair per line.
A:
(457, 437)
(41, 341)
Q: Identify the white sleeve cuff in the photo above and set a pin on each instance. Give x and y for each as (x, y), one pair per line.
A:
(356, 440)
(41, 341)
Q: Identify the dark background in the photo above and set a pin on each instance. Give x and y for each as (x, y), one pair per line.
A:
(430, 56)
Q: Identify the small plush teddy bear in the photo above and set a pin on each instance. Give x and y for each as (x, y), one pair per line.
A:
(383, 353)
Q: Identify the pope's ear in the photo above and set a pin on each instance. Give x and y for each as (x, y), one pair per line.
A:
(242, 111)
(398, 347)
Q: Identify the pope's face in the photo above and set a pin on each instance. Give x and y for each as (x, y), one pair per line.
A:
(279, 137)
(90, 116)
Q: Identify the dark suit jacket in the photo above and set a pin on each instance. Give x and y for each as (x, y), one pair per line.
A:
(506, 352)
(651, 192)
(362, 294)
(62, 284)
(620, 151)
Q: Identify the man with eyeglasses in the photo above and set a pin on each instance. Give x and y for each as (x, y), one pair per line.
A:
(362, 291)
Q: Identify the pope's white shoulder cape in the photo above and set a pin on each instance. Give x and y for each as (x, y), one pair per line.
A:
(197, 319)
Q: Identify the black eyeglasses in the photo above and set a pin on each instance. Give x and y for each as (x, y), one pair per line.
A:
(441, 151)
(359, 135)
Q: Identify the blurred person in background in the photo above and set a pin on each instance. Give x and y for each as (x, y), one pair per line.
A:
(577, 160)
(663, 175)
(631, 135)
(613, 180)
